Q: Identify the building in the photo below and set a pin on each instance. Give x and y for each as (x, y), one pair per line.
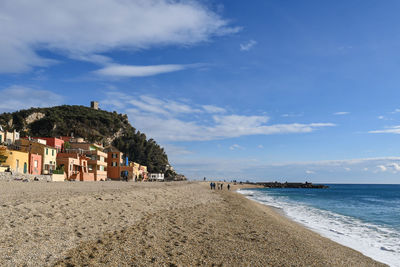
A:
(97, 159)
(143, 172)
(94, 105)
(156, 177)
(75, 166)
(114, 163)
(57, 143)
(38, 146)
(35, 164)
(2, 135)
(119, 167)
(8, 137)
(17, 161)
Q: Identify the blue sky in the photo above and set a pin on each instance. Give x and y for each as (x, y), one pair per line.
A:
(272, 90)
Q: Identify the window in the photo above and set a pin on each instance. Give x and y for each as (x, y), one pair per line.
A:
(52, 152)
(47, 151)
(35, 164)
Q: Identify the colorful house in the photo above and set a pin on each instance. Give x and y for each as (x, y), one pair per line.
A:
(8, 137)
(57, 143)
(97, 162)
(118, 167)
(35, 164)
(143, 172)
(114, 163)
(75, 166)
(38, 146)
(17, 161)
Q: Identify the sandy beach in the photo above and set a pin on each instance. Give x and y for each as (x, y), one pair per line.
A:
(153, 224)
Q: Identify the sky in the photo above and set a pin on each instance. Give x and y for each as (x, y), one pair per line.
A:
(264, 91)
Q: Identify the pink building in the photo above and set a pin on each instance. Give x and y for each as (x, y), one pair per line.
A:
(35, 164)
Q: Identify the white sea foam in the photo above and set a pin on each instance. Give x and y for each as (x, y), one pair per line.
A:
(377, 242)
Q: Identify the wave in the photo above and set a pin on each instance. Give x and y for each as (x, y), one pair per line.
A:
(376, 241)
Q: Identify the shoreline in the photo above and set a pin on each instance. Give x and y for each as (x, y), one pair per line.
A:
(154, 224)
(281, 212)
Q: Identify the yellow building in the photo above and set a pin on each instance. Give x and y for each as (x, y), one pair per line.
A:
(48, 153)
(17, 161)
(136, 170)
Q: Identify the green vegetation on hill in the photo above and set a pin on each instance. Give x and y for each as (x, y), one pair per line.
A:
(109, 128)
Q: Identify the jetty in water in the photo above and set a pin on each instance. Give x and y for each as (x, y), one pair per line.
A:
(291, 185)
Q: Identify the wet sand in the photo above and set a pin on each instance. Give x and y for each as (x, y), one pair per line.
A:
(153, 224)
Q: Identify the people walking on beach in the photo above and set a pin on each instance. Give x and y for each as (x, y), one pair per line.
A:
(222, 186)
(229, 187)
(211, 185)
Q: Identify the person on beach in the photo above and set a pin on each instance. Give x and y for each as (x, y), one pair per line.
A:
(229, 187)
(222, 186)
(211, 185)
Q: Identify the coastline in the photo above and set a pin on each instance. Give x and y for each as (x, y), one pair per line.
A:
(326, 228)
(154, 224)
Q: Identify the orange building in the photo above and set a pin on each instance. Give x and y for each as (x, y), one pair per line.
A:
(97, 159)
(114, 163)
(75, 166)
(118, 168)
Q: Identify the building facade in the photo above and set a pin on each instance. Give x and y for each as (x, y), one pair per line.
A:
(54, 142)
(114, 163)
(75, 166)
(17, 161)
(2, 135)
(97, 159)
(156, 176)
(35, 164)
(38, 146)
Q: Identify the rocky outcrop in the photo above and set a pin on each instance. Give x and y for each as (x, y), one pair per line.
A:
(34, 117)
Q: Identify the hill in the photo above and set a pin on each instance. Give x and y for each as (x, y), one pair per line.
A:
(109, 128)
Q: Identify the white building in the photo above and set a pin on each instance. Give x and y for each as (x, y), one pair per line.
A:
(156, 177)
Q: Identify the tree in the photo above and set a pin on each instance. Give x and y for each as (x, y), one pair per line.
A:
(3, 157)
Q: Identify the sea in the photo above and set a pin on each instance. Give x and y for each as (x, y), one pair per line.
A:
(365, 217)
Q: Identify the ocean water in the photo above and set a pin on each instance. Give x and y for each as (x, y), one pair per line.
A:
(363, 217)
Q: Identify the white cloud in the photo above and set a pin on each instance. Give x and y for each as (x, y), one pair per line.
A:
(382, 168)
(116, 70)
(213, 109)
(247, 46)
(84, 30)
(20, 97)
(394, 166)
(173, 150)
(392, 129)
(341, 113)
(381, 117)
(260, 146)
(235, 147)
(170, 120)
(309, 172)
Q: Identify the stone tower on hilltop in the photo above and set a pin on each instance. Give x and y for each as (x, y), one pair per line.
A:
(94, 105)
